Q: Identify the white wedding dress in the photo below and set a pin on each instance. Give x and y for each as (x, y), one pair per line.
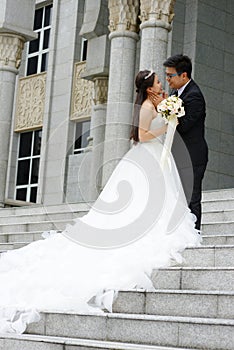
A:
(140, 222)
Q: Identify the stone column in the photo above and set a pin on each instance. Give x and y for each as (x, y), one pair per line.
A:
(97, 133)
(123, 37)
(156, 17)
(11, 46)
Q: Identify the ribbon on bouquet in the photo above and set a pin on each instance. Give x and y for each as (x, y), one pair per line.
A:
(172, 123)
(170, 109)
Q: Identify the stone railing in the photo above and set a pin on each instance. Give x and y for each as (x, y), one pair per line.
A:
(82, 94)
(30, 102)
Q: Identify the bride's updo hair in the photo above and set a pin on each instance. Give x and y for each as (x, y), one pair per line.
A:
(144, 79)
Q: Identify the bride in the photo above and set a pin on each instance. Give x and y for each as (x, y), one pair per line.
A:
(139, 222)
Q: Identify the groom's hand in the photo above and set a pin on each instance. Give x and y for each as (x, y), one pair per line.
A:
(155, 97)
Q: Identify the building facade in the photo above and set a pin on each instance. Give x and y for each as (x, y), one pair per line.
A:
(67, 70)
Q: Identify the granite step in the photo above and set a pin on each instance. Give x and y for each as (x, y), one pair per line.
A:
(14, 237)
(18, 219)
(208, 304)
(171, 331)
(194, 278)
(219, 239)
(218, 194)
(40, 342)
(35, 226)
(39, 209)
(12, 240)
(17, 236)
(210, 256)
(13, 245)
(212, 228)
(217, 227)
(218, 215)
(217, 204)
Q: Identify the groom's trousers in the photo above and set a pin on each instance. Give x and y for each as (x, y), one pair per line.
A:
(191, 175)
(191, 178)
(195, 202)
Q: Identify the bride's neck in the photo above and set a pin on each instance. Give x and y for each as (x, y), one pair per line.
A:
(152, 101)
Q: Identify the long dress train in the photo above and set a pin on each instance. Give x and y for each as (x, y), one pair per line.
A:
(139, 222)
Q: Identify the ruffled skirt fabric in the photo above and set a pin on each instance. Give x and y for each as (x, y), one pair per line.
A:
(67, 272)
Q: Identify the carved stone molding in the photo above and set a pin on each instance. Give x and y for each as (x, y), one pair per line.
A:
(161, 10)
(11, 47)
(30, 102)
(100, 90)
(123, 15)
(82, 94)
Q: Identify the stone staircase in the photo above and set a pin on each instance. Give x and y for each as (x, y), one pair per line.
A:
(192, 307)
(22, 225)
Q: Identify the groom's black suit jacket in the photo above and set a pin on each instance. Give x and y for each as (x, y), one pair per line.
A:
(191, 126)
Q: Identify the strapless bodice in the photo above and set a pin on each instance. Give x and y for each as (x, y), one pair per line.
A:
(156, 123)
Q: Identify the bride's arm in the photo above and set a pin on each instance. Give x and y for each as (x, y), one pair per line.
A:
(145, 134)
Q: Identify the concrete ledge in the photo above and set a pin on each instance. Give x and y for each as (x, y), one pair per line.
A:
(20, 342)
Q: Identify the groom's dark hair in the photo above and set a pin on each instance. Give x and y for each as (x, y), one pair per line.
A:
(181, 63)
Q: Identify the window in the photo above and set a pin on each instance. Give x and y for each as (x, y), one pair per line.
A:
(38, 49)
(82, 133)
(28, 166)
(84, 47)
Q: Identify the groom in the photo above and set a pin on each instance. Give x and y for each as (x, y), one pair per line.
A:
(190, 128)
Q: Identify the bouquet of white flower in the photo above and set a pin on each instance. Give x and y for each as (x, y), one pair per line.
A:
(170, 109)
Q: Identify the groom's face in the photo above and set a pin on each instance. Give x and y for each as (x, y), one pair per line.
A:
(175, 79)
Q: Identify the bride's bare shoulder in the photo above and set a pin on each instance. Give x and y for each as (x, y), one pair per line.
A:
(148, 108)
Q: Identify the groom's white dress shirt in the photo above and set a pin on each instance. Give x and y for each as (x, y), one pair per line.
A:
(180, 90)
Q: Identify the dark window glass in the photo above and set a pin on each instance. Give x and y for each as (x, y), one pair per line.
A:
(32, 65)
(84, 53)
(35, 171)
(46, 39)
(23, 172)
(48, 15)
(21, 194)
(34, 44)
(37, 143)
(33, 194)
(27, 148)
(82, 132)
(25, 144)
(44, 62)
(38, 19)
(78, 135)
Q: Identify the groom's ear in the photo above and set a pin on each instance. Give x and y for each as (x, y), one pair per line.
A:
(184, 75)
